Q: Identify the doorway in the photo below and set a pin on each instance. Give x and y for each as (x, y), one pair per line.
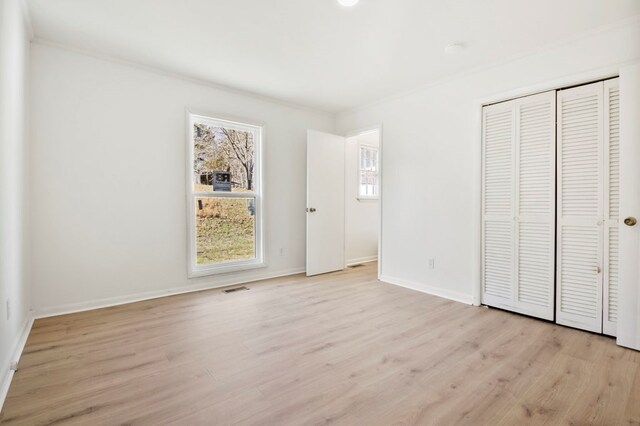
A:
(343, 200)
(362, 197)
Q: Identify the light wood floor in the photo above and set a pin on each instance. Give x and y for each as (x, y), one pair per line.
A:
(340, 348)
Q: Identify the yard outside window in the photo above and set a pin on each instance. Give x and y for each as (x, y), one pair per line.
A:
(368, 173)
(225, 196)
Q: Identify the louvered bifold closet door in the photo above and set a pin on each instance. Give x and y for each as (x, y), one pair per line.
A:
(498, 204)
(535, 201)
(612, 205)
(519, 205)
(580, 207)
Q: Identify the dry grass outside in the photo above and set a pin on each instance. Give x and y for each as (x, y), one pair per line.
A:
(224, 230)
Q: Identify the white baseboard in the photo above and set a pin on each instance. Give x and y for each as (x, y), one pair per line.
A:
(7, 375)
(362, 260)
(15, 357)
(425, 288)
(131, 298)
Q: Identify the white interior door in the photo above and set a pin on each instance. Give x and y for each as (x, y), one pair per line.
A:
(498, 205)
(580, 244)
(325, 202)
(535, 204)
(519, 205)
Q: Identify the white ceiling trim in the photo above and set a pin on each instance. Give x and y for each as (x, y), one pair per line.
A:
(27, 18)
(339, 91)
(180, 76)
(623, 23)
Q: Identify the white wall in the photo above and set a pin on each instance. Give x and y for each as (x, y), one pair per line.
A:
(431, 158)
(108, 179)
(109, 224)
(361, 216)
(14, 282)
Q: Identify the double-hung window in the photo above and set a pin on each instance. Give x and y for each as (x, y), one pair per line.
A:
(368, 172)
(224, 196)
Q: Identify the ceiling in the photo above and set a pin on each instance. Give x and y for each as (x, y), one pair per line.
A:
(315, 52)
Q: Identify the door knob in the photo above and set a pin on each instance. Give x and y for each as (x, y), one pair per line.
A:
(630, 221)
(311, 209)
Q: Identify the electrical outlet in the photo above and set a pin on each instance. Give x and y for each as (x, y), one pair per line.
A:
(8, 309)
(432, 263)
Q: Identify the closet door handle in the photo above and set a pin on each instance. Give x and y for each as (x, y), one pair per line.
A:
(598, 269)
(630, 221)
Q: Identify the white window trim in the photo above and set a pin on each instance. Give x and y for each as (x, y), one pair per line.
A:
(194, 270)
(367, 197)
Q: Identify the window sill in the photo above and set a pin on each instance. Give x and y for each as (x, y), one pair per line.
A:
(225, 268)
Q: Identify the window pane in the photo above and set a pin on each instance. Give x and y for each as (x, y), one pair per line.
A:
(225, 229)
(368, 159)
(370, 185)
(223, 158)
(368, 176)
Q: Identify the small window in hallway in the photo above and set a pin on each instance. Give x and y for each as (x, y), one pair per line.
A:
(368, 172)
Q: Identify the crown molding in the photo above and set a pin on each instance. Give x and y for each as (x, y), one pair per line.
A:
(633, 21)
(177, 75)
(24, 6)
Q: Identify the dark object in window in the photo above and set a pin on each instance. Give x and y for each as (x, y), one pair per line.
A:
(251, 206)
(206, 178)
(222, 181)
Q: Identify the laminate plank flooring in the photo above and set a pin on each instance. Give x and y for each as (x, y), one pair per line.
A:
(339, 348)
